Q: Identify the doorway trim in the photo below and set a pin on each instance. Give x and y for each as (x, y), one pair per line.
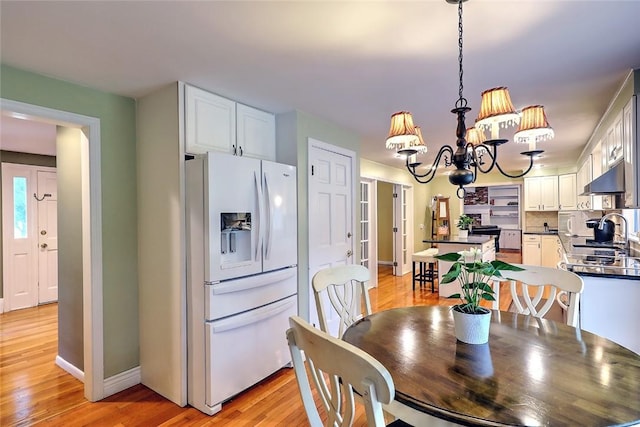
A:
(92, 298)
(397, 255)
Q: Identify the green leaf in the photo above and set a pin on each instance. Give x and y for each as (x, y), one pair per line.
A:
(488, 297)
(454, 296)
(452, 274)
(501, 265)
(451, 257)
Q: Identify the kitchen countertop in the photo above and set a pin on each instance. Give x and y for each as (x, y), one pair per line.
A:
(540, 230)
(473, 239)
(610, 261)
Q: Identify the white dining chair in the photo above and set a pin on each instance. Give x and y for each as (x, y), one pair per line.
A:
(346, 289)
(338, 371)
(536, 289)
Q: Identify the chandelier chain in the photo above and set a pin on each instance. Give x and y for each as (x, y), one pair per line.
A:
(462, 102)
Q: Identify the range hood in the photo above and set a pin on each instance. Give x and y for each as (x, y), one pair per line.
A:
(610, 182)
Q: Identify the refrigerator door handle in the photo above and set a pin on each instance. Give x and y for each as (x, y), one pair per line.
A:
(270, 217)
(259, 222)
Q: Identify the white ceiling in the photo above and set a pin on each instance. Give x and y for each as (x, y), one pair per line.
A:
(351, 62)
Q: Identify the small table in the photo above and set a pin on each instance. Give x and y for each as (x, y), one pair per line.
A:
(532, 371)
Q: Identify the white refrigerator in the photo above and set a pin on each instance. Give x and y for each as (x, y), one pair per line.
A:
(242, 273)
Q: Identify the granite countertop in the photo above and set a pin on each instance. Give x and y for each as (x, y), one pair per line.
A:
(540, 230)
(473, 239)
(610, 261)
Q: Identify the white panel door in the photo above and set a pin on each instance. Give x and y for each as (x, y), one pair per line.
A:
(20, 278)
(330, 216)
(47, 206)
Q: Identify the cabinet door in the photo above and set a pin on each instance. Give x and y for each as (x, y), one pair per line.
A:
(532, 194)
(549, 193)
(256, 132)
(550, 255)
(630, 153)
(614, 141)
(567, 194)
(210, 122)
(531, 251)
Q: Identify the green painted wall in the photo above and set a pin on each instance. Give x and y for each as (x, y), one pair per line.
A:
(385, 222)
(293, 130)
(118, 160)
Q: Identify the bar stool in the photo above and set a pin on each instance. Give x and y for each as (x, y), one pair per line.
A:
(428, 271)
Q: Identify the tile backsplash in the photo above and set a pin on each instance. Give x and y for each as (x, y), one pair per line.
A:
(536, 220)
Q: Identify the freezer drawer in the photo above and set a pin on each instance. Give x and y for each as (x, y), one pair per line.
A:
(236, 296)
(244, 349)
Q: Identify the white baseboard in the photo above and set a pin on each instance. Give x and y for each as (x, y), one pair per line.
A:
(75, 372)
(111, 385)
(1, 305)
(122, 381)
(385, 262)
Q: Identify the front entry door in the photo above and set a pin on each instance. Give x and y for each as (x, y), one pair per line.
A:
(47, 203)
(21, 236)
(331, 227)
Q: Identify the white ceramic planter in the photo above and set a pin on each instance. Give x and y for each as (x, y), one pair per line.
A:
(463, 234)
(472, 328)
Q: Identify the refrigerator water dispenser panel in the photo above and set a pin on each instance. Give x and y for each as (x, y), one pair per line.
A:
(235, 238)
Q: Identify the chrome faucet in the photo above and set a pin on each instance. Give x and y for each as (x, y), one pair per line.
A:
(626, 226)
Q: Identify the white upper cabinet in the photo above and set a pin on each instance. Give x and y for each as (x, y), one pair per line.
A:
(256, 133)
(210, 122)
(215, 123)
(567, 193)
(614, 141)
(541, 193)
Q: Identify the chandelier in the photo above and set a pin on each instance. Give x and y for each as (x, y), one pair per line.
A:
(472, 153)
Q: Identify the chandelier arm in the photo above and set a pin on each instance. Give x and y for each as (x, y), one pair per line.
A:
(430, 174)
(519, 175)
(493, 156)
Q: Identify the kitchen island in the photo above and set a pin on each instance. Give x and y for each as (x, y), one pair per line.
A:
(456, 244)
(609, 301)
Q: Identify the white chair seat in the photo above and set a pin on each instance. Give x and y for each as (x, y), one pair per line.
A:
(427, 270)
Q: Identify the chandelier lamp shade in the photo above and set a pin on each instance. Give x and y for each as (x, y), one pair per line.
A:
(534, 126)
(472, 153)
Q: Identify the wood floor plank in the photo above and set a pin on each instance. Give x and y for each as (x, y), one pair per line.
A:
(33, 390)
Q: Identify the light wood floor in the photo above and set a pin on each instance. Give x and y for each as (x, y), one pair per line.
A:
(33, 390)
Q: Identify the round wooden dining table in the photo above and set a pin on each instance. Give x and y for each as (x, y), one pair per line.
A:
(532, 372)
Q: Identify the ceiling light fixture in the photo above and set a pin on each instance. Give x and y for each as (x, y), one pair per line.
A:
(466, 157)
(534, 126)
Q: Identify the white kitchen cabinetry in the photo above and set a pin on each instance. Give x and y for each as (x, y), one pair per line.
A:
(541, 193)
(541, 250)
(510, 239)
(550, 247)
(583, 177)
(215, 123)
(608, 307)
(210, 122)
(614, 142)
(567, 193)
(629, 139)
(531, 250)
(256, 133)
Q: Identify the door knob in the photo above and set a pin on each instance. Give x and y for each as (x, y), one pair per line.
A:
(349, 234)
(349, 253)
(44, 246)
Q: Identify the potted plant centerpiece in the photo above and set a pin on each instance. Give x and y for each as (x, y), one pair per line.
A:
(471, 320)
(464, 222)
